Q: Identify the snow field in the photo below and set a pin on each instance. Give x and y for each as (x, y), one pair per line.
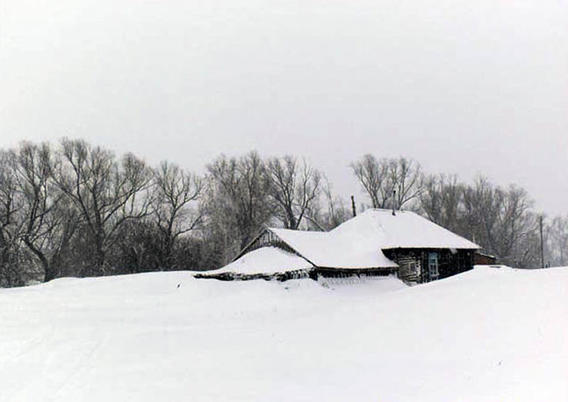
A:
(488, 334)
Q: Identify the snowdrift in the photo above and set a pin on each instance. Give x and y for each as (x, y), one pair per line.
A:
(486, 335)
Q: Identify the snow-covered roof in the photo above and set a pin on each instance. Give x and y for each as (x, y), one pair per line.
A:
(335, 250)
(265, 260)
(358, 243)
(403, 230)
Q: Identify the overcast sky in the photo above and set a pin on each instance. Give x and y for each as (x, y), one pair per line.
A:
(464, 87)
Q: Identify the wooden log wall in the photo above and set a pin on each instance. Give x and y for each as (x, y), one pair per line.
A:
(360, 273)
(279, 276)
(449, 263)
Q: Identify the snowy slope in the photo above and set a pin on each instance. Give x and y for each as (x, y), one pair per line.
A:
(489, 334)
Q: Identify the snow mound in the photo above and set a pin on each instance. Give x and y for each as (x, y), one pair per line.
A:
(265, 260)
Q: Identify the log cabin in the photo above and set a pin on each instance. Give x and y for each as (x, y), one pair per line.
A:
(375, 243)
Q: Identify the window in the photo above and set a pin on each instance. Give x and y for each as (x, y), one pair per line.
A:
(412, 268)
(433, 265)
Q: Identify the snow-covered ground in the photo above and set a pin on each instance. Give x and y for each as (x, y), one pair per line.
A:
(486, 335)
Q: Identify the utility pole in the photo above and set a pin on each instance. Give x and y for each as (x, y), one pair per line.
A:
(394, 203)
(353, 206)
(540, 224)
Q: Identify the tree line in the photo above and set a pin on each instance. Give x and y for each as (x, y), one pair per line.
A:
(75, 209)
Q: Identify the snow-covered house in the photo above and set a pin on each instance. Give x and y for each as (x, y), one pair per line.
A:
(377, 242)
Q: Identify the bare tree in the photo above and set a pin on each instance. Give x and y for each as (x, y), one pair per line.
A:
(406, 179)
(9, 228)
(389, 182)
(238, 202)
(294, 187)
(48, 222)
(558, 241)
(139, 246)
(514, 224)
(175, 192)
(331, 212)
(105, 192)
(372, 175)
(441, 201)
(482, 203)
(502, 222)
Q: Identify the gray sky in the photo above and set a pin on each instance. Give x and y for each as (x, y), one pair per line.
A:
(464, 87)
